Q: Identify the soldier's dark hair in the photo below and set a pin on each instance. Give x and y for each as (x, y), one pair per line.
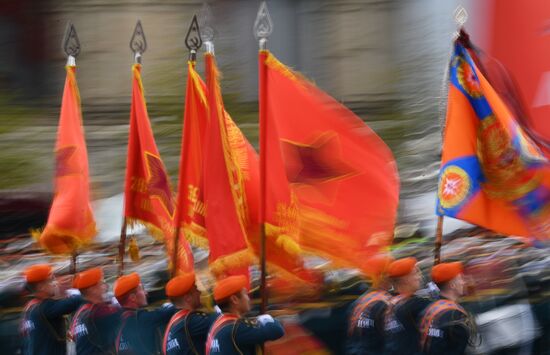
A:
(442, 285)
(31, 286)
(224, 305)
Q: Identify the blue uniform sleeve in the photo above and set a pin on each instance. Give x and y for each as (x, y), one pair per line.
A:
(199, 322)
(158, 316)
(106, 316)
(58, 308)
(250, 332)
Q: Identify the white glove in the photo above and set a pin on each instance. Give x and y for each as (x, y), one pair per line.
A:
(167, 305)
(72, 292)
(114, 301)
(218, 310)
(264, 319)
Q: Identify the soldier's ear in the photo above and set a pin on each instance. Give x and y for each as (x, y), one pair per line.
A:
(234, 299)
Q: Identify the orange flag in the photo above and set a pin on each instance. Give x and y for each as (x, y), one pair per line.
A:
(71, 222)
(492, 173)
(227, 166)
(148, 194)
(332, 183)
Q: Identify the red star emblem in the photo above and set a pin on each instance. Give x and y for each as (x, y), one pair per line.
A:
(316, 162)
(63, 164)
(158, 183)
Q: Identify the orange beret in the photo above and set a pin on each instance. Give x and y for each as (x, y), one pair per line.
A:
(402, 267)
(88, 278)
(180, 285)
(446, 271)
(377, 265)
(37, 273)
(229, 286)
(126, 283)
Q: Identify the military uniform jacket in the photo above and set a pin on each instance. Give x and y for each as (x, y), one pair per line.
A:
(186, 333)
(140, 330)
(445, 328)
(43, 325)
(232, 335)
(401, 324)
(94, 328)
(366, 323)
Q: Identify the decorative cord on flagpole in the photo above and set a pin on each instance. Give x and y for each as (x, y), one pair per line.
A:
(263, 27)
(460, 17)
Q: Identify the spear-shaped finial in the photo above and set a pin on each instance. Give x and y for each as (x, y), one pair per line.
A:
(461, 15)
(207, 32)
(138, 44)
(263, 26)
(71, 44)
(193, 40)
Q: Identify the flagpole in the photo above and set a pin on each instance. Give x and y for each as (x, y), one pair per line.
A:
(262, 29)
(193, 42)
(438, 240)
(138, 45)
(73, 262)
(71, 47)
(122, 246)
(460, 16)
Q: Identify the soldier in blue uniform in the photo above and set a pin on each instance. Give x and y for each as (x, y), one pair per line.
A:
(231, 333)
(95, 323)
(139, 328)
(404, 312)
(446, 326)
(366, 319)
(187, 330)
(43, 324)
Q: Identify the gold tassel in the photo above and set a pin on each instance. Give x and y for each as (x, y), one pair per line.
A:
(36, 233)
(133, 249)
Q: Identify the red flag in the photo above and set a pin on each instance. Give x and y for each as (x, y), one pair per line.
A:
(191, 209)
(71, 222)
(332, 182)
(517, 33)
(148, 194)
(227, 216)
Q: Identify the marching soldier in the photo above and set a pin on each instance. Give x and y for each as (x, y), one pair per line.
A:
(187, 330)
(233, 334)
(138, 329)
(94, 324)
(445, 327)
(405, 310)
(366, 324)
(43, 324)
